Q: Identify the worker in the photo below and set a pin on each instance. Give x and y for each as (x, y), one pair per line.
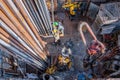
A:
(64, 59)
(58, 29)
(56, 37)
(56, 33)
(59, 26)
(96, 47)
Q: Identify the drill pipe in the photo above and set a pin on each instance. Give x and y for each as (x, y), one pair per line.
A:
(12, 53)
(22, 20)
(42, 15)
(7, 38)
(27, 17)
(32, 12)
(42, 12)
(4, 18)
(20, 27)
(39, 18)
(47, 12)
(26, 35)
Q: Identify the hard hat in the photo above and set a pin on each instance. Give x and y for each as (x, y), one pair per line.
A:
(55, 23)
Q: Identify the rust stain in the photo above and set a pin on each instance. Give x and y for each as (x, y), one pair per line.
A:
(17, 22)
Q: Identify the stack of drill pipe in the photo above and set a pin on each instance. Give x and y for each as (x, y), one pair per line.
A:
(31, 8)
(41, 11)
(19, 31)
(37, 10)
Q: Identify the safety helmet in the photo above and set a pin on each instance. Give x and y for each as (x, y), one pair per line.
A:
(55, 23)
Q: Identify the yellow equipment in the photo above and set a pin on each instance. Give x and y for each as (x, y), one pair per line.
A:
(51, 69)
(64, 61)
(71, 6)
(58, 29)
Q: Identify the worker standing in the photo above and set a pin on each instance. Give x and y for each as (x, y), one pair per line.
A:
(58, 30)
(56, 33)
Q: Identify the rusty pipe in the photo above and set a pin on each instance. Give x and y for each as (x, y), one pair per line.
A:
(12, 18)
(30, 22)
(4, 18)
(42, 13)
(34, 16)
(10, 3)
(43, 26)
(7, 41)
(3, 43)
(23, 31)
(24, 4)
(9, 35)
(19, 57)
(4, 26)
(47, 13)
(13, 43)
(18, 38)
(19, 26)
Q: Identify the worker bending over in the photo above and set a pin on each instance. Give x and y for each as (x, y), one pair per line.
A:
(64, 59)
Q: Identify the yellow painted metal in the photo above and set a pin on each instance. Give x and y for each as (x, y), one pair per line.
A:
(69, 64)
(51, 69)
(63, 60)
(71, 6)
